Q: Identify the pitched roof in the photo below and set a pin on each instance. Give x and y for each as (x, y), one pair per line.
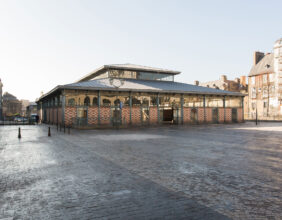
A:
(127, 66)
(265, 65)
(147, 86)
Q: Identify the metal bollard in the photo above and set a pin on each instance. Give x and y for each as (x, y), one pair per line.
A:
(19, 134)
(49, 132)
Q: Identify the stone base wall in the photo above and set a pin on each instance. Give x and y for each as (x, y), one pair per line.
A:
(125, 115)
(153, 111)
(204, 115)
(135, 115)
(70, 114)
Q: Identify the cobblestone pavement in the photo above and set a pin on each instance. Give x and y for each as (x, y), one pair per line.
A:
(185, 172)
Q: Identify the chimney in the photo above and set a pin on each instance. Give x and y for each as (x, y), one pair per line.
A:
(243, 80)
(258, 56)
(223, 78)
(196, 82)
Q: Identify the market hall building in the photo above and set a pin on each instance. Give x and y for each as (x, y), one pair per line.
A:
(127, 94)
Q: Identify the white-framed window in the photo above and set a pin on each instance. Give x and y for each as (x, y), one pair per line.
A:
(254, 92)
(265, 91)
(264, 78)
(253, 80)
(271, 77)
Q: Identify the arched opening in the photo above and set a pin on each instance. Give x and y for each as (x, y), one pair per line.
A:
(71, 102)
(95, 101)
(106, 102)
(87, 101)
(117, 102)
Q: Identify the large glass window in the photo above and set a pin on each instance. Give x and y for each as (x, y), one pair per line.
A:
(213, 101)
(155, 76)
(233, 102)
(193, 101)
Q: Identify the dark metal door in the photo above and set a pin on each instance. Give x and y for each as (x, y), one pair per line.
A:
(234, 114)
(215, 115)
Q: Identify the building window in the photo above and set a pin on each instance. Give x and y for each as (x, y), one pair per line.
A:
(95, 101)
(271, 78)
(265, 104)
(106, 102)
(253, 80)
(264, 78)
(71, 102)
(265, 92)
(254, 92)
(87, 101)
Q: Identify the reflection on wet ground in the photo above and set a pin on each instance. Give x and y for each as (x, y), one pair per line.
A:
(194, 172)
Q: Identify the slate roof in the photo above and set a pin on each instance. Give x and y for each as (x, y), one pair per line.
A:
(127, 66)
(265, 65)
(147, 86)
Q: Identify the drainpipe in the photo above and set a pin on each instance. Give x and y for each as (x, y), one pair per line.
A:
(130, 105)
(63, 107)
(205, 116)
(224, 107)
(99, 104)
(158, 107)
(182, 111)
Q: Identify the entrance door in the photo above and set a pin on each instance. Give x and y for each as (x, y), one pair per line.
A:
(167, 115)
(215, 115)
(194, 115)
(234, 114)
(116, 116)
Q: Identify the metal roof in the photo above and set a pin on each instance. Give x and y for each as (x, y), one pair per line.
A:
(127, 66)
(146, 86)
(265, 65)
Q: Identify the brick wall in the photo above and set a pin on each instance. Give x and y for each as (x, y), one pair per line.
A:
(105, 115)
(221, 115)
(209, 115)
(239, 114)
(186, 115)
(92, 115)
(153, 111)
(135, 115)
(70, 113)
(201, 115)
(125, 115)
(228, 115)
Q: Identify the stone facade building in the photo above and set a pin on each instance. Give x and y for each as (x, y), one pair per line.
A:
(1, 101)
(11, 106)
(127, 94)
(236, 85)
(265, 85)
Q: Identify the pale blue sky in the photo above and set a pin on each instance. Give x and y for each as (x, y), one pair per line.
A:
(52, 42)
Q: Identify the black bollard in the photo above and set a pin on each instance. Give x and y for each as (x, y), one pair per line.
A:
(64, 128)
(49, 132)
(19, 134)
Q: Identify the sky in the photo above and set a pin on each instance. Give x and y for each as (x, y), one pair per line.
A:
(45, 43)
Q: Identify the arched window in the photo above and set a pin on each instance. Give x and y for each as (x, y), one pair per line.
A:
(106, 102)
(135, 101)
(87, 101)
(71, 102)
(117, 102)
(95, 101)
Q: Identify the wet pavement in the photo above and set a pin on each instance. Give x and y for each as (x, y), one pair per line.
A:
(185, 172)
